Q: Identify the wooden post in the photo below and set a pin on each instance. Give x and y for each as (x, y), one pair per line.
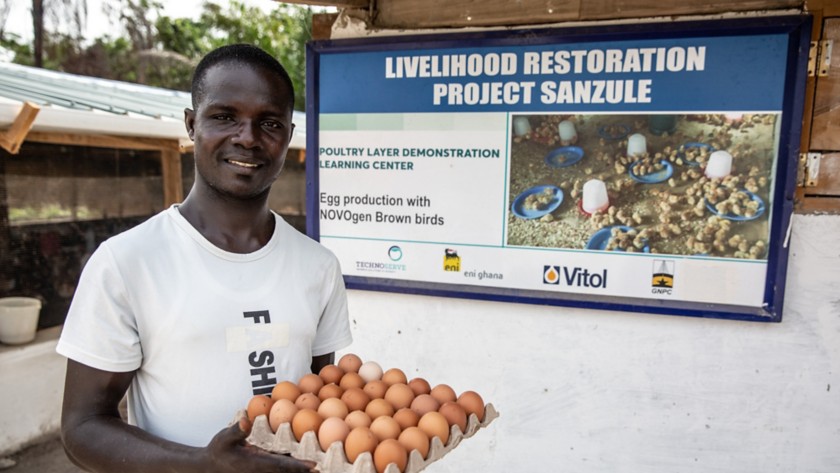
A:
(13, 138)
(173, 188)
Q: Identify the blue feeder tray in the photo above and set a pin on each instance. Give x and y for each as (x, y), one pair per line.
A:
(653, 178)
(618, 132)
(694, 145)
(518, 207)
(740, 218)
(564, 156)
(599, 239)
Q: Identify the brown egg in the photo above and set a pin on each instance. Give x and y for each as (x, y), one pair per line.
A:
(413, 438)
(281, 412)
(351, 380)
(356, 399)
(375, 389)
(399, 395)
(332, 430)
(454, 414)
(258, 405)
(306, 420)
(358, 441)
(443, 393)
(285, 390)
(434, 425)
(308, 401)
(406, 418)
(472, 404)
(424, 403)
(310, 383)
(357, 419)
(385, 427)
(394, 376)
(379, 407)
(331, 374)
(350, 363)
(333, 407)
(419, 386)
(330, 390)
(387, 452)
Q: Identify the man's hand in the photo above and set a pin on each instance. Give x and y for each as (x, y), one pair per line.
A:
(228, 452)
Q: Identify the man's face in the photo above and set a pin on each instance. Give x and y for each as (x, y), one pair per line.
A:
(241, 128)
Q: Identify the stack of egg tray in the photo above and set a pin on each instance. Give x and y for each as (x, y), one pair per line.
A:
(334, 459)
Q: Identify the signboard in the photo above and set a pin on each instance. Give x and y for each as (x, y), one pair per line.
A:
(643, 167)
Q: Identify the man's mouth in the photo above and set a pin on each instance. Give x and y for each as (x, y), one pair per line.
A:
(242, 164)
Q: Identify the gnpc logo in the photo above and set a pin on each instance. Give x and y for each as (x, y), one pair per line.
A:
(663, 277)
(395, 253)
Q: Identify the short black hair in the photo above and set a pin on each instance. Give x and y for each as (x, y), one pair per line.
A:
(243, 54)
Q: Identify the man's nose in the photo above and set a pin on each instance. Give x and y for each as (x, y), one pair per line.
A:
(246, 134)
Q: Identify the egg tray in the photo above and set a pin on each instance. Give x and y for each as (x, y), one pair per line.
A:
(334, 459)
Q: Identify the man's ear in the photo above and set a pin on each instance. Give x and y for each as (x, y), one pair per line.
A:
(189, 122)
(291, 132)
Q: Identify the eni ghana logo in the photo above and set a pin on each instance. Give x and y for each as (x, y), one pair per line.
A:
(663, 277)
(451, 260)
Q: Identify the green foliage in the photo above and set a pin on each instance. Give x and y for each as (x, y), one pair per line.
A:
(283, 33)
(162, 51)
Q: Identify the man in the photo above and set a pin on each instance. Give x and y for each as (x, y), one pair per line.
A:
(205, 304)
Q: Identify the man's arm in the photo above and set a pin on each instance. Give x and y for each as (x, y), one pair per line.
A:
(98, 440)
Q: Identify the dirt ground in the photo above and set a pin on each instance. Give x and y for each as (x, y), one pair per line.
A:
(44, 457)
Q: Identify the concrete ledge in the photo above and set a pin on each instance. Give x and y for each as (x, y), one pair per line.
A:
(31, 389)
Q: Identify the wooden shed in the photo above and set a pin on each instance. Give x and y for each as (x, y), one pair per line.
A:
(83, 158)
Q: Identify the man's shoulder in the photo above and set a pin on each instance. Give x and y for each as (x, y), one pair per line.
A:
(293, 239)
(142, 235)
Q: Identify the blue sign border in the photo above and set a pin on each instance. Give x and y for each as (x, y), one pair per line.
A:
(796, 27)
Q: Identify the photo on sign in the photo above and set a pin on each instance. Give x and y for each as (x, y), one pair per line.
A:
(681, 184)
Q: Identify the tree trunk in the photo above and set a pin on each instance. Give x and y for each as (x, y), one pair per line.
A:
(38, 29)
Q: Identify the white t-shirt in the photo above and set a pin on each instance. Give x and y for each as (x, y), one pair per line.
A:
(204, 328)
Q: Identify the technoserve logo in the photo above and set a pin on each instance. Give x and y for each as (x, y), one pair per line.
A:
(395, 253)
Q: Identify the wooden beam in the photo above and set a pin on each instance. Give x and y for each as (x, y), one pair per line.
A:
(613, 9)
(173, 189)
(13, 138)
(827, 8)
(322, 25)
(412, 14)
(105, 141)
(331, 3)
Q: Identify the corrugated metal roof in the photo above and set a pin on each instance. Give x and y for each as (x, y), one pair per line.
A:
(52, 88)
(72, 103)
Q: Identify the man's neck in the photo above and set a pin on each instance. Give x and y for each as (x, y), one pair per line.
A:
(232, 225)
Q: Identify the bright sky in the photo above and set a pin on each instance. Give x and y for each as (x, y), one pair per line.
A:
(20, 17)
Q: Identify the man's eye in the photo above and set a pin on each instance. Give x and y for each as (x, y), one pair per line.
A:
(272, 124)
(222, 117)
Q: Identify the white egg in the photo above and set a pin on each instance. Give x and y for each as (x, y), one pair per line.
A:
(370, 371)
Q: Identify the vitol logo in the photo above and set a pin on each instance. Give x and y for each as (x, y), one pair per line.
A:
(551, 275)
(578, 277)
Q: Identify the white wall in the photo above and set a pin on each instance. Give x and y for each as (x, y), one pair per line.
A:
(31, 388)
(594, 391)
